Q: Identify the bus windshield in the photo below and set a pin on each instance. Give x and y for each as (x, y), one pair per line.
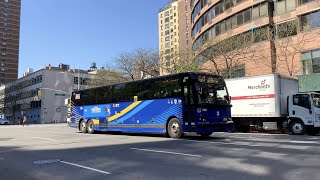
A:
(213, 91)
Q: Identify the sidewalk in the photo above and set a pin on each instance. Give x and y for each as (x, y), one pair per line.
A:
(35, 125)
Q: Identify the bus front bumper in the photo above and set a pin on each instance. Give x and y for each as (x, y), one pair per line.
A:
(227, 126)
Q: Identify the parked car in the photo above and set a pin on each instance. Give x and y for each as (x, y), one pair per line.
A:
(4, 122)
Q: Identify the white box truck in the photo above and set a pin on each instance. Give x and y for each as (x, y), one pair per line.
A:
(273, 103)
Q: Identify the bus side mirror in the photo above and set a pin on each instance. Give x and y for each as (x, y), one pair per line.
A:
(227, 98)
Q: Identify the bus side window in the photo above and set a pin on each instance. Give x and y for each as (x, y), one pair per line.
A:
(187, 91)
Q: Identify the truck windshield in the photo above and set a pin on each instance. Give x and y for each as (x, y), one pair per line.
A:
(316, 100)
(211, 93)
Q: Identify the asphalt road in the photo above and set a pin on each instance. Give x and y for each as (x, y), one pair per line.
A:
(25, 151)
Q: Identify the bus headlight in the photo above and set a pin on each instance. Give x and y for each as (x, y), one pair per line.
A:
(202, 119)
(227, 119)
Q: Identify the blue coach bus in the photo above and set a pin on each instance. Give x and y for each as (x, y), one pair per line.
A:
(172, 105)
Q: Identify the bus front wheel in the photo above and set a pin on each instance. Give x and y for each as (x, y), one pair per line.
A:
(83, 127)
(174, 128)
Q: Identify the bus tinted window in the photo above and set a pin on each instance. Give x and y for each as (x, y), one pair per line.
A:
(161, 88)
(117, 93)
(104, 95)
(130, 90)
(87, 97)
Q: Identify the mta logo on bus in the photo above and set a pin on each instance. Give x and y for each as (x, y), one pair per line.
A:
(96, 109)
(116, 105)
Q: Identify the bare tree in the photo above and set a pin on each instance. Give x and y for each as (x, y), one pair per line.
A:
(138, 64)
(126, 63)
(178, 62)
(287, 40)
(229, 54)
(106, 76)
(146, 62)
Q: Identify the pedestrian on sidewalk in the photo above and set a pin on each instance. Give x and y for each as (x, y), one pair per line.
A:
(19, 121)
(25, 120)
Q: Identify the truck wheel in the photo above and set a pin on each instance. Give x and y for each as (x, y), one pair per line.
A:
(83, 127)
(90, 127)
(297, 127)
(174, 128)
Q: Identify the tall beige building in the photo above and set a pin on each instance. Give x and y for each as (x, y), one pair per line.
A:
(174, 33)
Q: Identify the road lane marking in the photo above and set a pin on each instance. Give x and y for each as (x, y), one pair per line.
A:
(166, 152)
(304, 142)
(254, 144)
(44, 138)
(85, 167)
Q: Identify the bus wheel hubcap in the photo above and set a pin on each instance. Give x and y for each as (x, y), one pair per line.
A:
(297, 128)
(175, 128)
(83, 125)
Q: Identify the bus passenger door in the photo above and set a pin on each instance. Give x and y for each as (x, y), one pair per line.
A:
(188, 115)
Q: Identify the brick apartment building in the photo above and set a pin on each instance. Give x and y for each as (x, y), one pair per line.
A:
(293, 52)
(10, 30)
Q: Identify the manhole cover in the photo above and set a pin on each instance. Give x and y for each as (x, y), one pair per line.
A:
(48, 161)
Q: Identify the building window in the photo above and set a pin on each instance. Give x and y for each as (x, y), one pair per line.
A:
(311, 61)
(238, 71)
(310, 21)
(255, 12)
(287, 29)
(283, 6)
(247, 15)
(240, 18)
(304, 1)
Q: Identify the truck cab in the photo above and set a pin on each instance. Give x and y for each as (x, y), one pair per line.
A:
(304, 113)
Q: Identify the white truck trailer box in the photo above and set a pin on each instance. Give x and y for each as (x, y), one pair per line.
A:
(257, 97)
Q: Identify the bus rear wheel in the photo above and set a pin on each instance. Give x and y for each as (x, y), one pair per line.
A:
(90, 127)
(174, 128)
(83, 127)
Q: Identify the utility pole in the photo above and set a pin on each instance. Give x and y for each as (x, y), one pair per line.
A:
(79, 78)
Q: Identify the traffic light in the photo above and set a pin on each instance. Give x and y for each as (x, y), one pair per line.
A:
(40, 93)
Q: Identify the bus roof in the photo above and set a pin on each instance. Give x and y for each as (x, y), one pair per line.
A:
(178, 75)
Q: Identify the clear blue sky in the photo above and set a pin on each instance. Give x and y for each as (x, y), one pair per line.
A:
(77, 32)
